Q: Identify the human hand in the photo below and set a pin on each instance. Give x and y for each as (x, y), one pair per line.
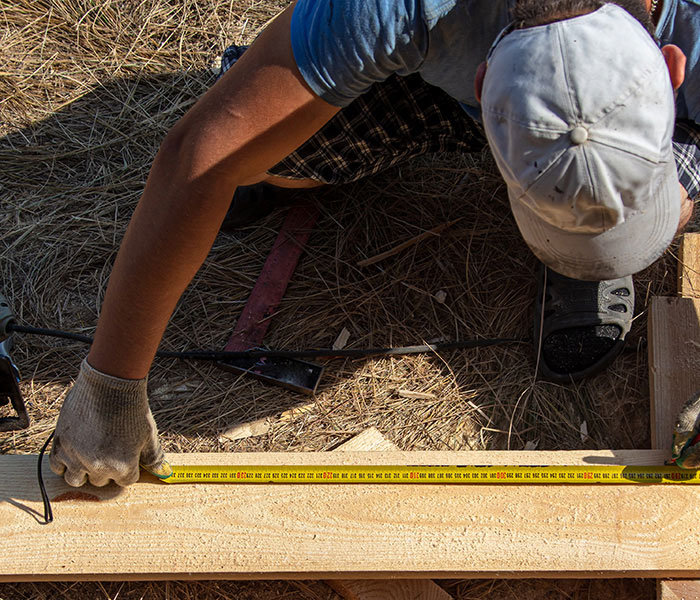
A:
(686, 435)
(105, 429)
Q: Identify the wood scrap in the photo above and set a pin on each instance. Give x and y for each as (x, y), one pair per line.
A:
(262, 426)
(341, 340)
(387, 589)
(679, 589)
(407, 244)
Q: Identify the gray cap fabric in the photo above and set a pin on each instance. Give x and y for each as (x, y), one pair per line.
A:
(579, 115)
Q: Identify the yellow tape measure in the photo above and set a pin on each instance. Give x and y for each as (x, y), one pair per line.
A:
(442, 474)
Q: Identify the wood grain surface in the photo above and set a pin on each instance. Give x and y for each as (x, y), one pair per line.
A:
(674, 362)
(672, 377)
(679, 590)
(689, 266)
(371, 440)
(153, 530)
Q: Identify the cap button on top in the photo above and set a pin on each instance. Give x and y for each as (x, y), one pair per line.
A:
(579, 135)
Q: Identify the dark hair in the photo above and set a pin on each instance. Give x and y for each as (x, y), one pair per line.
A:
(530, 13)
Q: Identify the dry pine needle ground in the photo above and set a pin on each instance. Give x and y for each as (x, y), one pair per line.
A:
(87, 91)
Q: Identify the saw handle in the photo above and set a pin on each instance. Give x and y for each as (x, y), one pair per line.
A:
(6, 318)
(9, 374)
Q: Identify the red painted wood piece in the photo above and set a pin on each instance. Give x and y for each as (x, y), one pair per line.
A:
(272, 282)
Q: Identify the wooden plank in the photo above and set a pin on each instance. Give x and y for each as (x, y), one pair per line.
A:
(689, 266)
(679, 590)
(371, 440)
(154, 530)
(667, 399)
(389, 589)
(674, 362)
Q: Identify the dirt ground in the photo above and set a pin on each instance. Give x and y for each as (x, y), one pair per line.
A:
(88, 90)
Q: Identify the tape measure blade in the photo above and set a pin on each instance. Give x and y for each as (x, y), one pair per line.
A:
(436, 474)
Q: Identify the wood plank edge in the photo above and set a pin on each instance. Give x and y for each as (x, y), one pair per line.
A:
(315, 575)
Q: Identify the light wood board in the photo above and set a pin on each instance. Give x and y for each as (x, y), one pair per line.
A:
(154, 530)
(689, 266)
(670, 374)
(674, 362)
(679, 590)
(371, 440)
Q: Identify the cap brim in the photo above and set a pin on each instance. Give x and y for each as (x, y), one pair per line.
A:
(617, 252)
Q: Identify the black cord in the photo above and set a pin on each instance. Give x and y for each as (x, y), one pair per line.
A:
(215, 355)
(48, 513)
(13, 327)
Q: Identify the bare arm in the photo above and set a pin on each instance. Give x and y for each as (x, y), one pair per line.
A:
(259, 112)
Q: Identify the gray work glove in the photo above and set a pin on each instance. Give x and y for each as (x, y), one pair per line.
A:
(105, 429)
(686, 445)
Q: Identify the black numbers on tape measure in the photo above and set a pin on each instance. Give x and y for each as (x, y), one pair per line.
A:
(434, 474)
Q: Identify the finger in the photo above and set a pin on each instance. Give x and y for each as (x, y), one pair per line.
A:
(99, 478)
(690, 458)
(56, 464)
(75, 477)
(153, 459)
(127, 476)
(689, 417)
(681, 440)
(686, 427)
(162, 470)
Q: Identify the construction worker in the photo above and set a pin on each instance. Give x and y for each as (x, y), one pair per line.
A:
(576, 99)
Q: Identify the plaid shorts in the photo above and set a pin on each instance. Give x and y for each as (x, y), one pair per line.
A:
(398, 119)
(686, 151)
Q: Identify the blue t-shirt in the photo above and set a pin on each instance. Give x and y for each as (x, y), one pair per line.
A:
(342, 47)
(679, 24)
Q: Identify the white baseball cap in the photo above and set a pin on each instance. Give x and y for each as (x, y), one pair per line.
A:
(579, 115)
